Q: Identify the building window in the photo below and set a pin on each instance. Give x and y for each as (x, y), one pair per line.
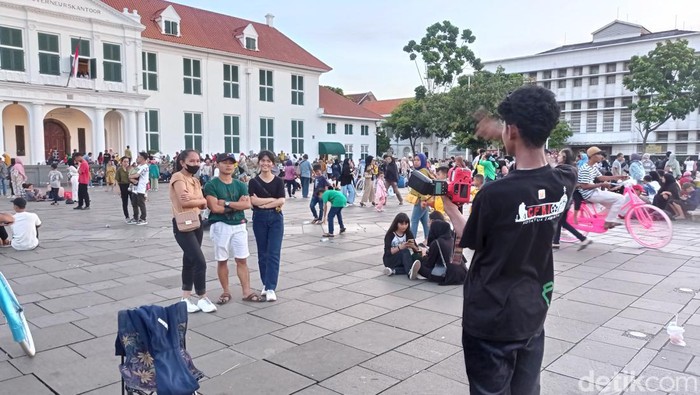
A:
(681, 148)
(593, 69)
(191, 69)
(592, 117)
(578, 82)
(608, 120)
(592, 81)
(681, 136)
(152, 131)
(561, 84)
(266, 85)
(231, 88)
(297, 137)
(610, 80)
(112, 62)
(576, 105)
(661, 136)
(49, 58)
(578, 70)
(609, 102)
(330, 128)
(267, 134)
(251, 43)
(626, 115)
(547, 84)
(232, 134)
(611, 67)
(626, 66)
(364, 130)
(87, 67)
(348, 129)
(364, 151)
(576, 122)
(19, 140)
(172, 28)
(81, 140)
(547, 74)
(348, 151)
(297, 90)
(150, 71)
(561, 73)
(11, 49)
(193, 131)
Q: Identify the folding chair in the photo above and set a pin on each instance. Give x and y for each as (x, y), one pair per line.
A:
(138, 364)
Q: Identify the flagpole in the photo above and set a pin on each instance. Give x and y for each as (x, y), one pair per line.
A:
(76, 61)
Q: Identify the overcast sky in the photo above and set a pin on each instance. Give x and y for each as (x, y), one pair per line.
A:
(363, 40)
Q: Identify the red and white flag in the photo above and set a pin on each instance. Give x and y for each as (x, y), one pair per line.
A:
(74, 67)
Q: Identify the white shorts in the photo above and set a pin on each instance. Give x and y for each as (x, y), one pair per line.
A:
(229, 241)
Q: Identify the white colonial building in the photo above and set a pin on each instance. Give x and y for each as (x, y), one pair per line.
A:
(159, 76)
(587, 79)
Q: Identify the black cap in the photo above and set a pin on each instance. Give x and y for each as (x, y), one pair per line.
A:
(223, 157)
(20, 202)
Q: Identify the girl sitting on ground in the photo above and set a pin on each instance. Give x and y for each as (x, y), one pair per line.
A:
(400, 249)
(439, 253)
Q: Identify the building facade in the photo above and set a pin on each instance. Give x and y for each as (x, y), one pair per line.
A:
(587, 80)
(155, 76)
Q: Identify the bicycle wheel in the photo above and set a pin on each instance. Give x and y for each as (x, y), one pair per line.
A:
(17, 321)
(567, 237)
(649, 226)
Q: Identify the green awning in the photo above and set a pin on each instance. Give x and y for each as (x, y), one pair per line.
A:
(330, 149)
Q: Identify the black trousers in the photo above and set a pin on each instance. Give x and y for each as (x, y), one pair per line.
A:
(125, 194)
(138, 202)
(3, 233)
(54, 193)
(83, 196)
(496, 367)
(401, 262)
(194, 265)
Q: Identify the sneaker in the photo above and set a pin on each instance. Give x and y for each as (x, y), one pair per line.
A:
(87, 208)
(142, 222)
(78, 208)
(191, 307)
(270, 296)
(414, 270)
(555, 246)
(132, 221)
(585, 243)
(263, 292)
(342, 230)
(128, 220)
(206, 305)
(389, 271)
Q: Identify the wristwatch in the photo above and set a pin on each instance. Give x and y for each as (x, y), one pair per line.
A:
(226, 203)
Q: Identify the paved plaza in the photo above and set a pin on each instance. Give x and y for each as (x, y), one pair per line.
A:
(339, 326)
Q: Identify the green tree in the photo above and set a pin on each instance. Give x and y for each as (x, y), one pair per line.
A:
(445, 53)
(408, 122)
(383, 141)
(560, 135)
(667, 83)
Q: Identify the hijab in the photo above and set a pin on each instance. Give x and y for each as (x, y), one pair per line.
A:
(635, 157)
(439, 230)
(584, 159)
(288, 163)
(423, 161)
(19, 166)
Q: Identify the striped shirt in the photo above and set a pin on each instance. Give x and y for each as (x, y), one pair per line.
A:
(587, 175)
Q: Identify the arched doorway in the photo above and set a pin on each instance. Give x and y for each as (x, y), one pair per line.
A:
(56, 136)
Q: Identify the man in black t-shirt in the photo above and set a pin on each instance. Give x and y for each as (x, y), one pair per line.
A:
(510, 282)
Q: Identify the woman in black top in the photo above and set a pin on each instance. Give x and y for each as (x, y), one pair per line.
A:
(347, 181)
(668, 195)
(399, 246)
(267, 196)
(440, 246)
(335, 174)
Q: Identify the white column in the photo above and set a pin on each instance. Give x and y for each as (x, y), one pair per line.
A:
(98, 132)
(2, 127)
(132, 127)
(141, 128)
(36, 134)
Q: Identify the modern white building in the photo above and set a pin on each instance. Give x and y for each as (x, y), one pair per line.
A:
(159, 76)
(587, 79)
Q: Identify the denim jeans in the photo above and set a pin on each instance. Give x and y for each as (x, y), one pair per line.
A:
(349, 192)
(2, 185)
(419, 214)
(268, 227)
(331, 216)
(305, 186)
(316, 201)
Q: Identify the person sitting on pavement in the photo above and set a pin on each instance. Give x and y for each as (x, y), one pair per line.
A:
(590, 182)
(690, 198)
(438, 253)
(24, 225)
(399, 247)
(668, 197)
(33, 194)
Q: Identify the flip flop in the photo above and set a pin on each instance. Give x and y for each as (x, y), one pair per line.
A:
(224, 298)
(253, 297)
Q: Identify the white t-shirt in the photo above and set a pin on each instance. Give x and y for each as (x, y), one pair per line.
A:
(24, 234)
(142, 171)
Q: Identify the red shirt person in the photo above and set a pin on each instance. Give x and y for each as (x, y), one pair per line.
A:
(83, 181)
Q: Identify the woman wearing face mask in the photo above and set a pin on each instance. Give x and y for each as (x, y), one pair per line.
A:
(267, 197)
(420, 209)
(186, 195)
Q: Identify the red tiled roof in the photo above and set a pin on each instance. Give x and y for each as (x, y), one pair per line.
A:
(206, 29)
(335, 104)
(360, 98)
(384, 107)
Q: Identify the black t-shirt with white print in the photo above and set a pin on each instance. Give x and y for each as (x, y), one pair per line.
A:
(510, 282)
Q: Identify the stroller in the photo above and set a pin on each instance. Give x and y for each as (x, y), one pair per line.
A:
(151, 343)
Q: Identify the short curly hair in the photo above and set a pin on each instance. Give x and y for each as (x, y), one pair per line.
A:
(534, 110)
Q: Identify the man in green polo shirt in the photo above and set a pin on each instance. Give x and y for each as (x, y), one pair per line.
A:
(489, 167)
(333, 204)
(227, 198)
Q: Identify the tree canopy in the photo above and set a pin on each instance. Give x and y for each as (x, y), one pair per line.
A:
(667, 83)
(560, 135)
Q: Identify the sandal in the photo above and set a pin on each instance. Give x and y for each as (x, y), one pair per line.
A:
(253, 297)
(224, 298)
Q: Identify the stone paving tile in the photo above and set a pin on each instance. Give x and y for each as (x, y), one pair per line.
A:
(7, 371)
(694, 366)
(364, 311)
(301, 333)
(335, 321)
(336, 299)
(557, 384)
(429, 349)
(414, 319)
(263, 347)
(235, 330)
(619, 286)
(319, 359)
(373, 287)
(672, 360)
(24, 385)
(578, 367)
(93, 373)
(397, 365)
(451, 334)
(445, 304)
(603, 352)
(655, 317)
(616, 337)
(359, 381)
(292, 312)
(427, 383)
(254, 378)
(216, 363)
(373, 337)
(601, 298)
(585, 312)
(567, 329)
(625, 324)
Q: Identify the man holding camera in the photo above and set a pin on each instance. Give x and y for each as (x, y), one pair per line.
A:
(510, 282)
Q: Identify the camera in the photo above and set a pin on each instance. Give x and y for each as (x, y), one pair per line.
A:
(457, 187)
(425, 185)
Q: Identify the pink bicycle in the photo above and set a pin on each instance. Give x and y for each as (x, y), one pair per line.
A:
(647, 224)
